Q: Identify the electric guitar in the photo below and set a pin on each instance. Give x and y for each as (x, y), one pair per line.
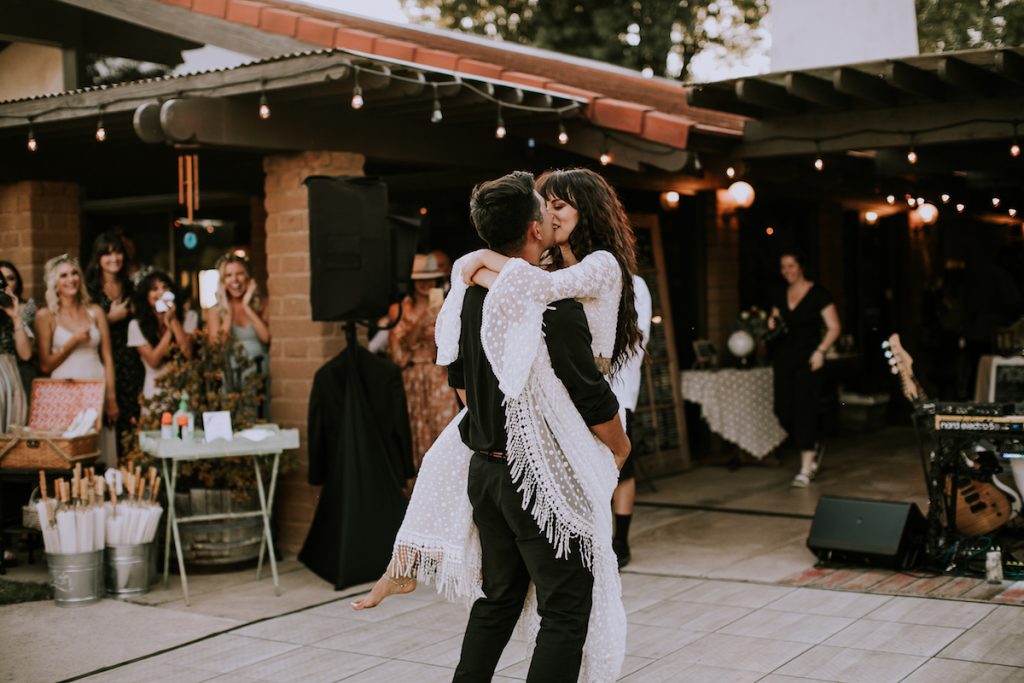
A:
(983, 503)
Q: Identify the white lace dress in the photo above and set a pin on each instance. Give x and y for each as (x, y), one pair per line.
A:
(567, 490)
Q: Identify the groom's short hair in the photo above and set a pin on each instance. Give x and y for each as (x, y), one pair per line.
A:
(503, 208)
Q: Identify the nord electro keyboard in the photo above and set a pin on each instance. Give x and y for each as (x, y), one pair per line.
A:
(995, 425)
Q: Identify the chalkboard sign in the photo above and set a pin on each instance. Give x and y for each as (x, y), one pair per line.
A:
(1007, 380)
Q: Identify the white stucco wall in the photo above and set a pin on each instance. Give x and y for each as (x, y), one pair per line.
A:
(814, 33)
(27, 69)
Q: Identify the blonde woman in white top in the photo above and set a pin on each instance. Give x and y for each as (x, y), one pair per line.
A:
(74, 339)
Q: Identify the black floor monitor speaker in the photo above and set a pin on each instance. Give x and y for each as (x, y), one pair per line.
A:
(359, 255)
(880, 533)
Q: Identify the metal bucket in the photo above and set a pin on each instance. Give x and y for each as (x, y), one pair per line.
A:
(128, 569)
(77, 578)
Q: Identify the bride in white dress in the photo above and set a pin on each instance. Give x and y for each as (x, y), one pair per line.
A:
(438, 542)
(74, 340)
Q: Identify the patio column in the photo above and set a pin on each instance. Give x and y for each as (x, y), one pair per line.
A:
(299, 346)
(38, 220)
(722, 234)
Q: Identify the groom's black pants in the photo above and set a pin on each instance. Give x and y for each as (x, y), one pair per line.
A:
(514, 551)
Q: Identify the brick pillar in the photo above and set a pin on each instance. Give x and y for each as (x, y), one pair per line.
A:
(299, 346)
(723, 271)
(38, 220)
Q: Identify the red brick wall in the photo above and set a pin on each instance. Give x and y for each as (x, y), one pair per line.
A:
(38, 220)
(299, 346)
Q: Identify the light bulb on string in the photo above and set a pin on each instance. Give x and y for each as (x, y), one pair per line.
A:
(32, 143)
(1015, 149)
(357, 97)
(819, 163)
(606, 158)
(945, 198)
(264, 108)
(563, 136)
(995, 202)
(920, 201)
(912, 156)
(960, 208)
(911, 202)
(730, 172)
(1012, 211)
(436, 116)
(101, 132)
(890, 199)
(500, 131)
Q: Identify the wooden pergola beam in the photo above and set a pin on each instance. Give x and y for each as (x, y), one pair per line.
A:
(767, 96)
(914, 81)
(1010, 65)
(815, 90)
(862, 86)
(968, 77)
(709, 97)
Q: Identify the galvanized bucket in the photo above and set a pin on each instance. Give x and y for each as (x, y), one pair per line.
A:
(77, 578)
(128, 569)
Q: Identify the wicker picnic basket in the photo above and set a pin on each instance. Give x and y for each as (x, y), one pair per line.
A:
(55, 403)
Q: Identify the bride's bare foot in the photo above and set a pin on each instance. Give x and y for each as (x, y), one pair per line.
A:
(385, 586)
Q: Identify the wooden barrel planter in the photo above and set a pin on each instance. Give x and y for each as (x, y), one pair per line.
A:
(224, 541)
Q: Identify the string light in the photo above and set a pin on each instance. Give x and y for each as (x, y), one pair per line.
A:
(500, 131)
(912, 156)
(920, 201)
(357, 91)
(730, 172)
(264, 108)
(1012, 211)
(606, 158)
(960, 208)
(819, 163)
(911, 202)
(944, 198)
(890, 199)
(1015, 147)
(870, 217)
(101, 132)
(32, 143)
(563, 136)
(995, 202)
(436, 116)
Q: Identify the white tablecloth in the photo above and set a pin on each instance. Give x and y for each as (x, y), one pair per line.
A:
(737, 405)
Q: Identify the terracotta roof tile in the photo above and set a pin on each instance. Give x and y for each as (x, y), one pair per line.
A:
(439, 59)
(354, 39)
(668, 129)
(619, 114)
(244, 12)
(529, 80)
(282, 21)
(215, 8)
(187, 4)
(395, 49)
(316, 31)
(478, 68)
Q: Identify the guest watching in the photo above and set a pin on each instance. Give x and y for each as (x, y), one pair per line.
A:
(26, 366)
(242, 315)
(804, 308)
(15, 345)
(411, 346)
(108, 284)
(74, 340)
(157, 328)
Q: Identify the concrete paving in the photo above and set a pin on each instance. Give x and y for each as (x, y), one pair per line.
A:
(706, 594)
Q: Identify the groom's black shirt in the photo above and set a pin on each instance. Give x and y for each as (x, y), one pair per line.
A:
(569, 344)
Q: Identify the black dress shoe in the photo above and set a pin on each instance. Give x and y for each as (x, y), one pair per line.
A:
(623, 556)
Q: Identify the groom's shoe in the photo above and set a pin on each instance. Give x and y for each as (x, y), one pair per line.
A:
(622, 553)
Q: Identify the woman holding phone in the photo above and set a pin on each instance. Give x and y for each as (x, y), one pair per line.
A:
(431, 402)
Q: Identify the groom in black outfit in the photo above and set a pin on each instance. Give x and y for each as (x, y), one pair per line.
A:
(510, 216)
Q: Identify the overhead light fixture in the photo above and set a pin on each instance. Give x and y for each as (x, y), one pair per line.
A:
(928, 213)
(563, 136)
(436, 116)
(605, 158)
(960, 208)
(730, 172)
(32, 143)
(890, 199)
(670, 200)
(995, 202)
(101, 132)
(264, 108)
(945, 198)
(870, 217)
(742, 193)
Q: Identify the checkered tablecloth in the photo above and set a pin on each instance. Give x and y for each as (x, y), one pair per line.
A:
(737, 405)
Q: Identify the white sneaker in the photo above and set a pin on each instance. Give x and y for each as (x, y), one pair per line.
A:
(800, 481)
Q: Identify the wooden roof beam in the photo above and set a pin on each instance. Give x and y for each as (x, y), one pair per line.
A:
(767, 96)
(968, 77)
(720, 100)
(1010, 65)
(815, 90)
(862, 86)
(914, 81)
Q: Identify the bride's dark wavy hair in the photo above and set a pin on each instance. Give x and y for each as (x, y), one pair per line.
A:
(602, 225)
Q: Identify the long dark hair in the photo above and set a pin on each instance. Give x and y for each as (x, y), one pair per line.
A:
(19, 288)
(602, 225)
(107, 243)
(149, 324)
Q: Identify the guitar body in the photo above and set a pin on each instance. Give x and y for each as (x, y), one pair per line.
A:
(980, 506)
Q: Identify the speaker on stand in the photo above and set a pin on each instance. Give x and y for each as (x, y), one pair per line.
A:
(878, 533)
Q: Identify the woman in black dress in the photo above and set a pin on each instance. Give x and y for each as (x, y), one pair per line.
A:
(109, 285)
(805, 308)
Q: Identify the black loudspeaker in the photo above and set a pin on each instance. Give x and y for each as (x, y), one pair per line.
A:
(875, 532)
(360, 257)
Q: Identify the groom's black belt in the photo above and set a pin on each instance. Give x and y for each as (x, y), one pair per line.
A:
(493, 455)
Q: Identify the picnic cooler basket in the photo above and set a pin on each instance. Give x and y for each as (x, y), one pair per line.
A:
(55, 403)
